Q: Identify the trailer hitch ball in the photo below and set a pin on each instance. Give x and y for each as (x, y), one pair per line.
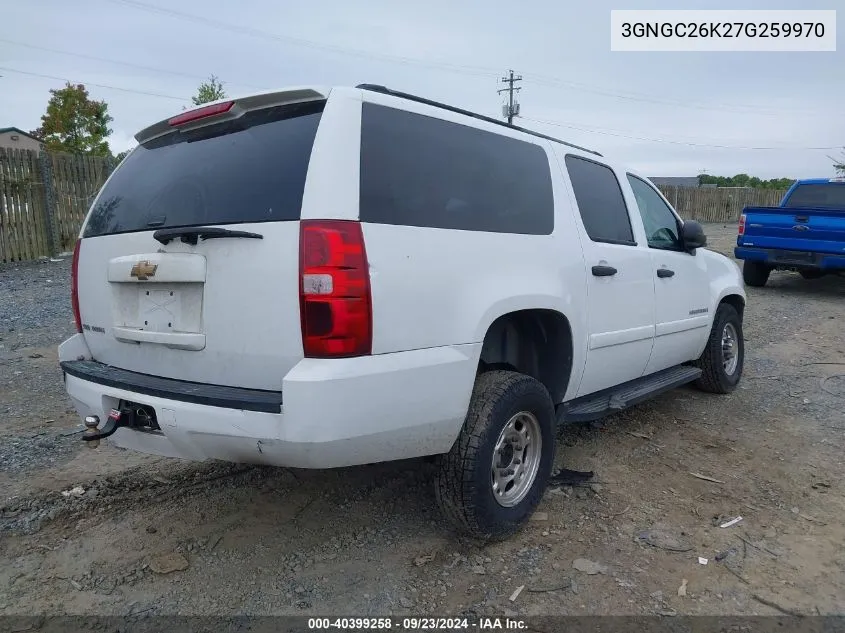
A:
(91, 424)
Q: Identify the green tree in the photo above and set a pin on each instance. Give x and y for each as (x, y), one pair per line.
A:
(781, 183)
(120, 156)
(208, 91)
(75, 123)
(744, 180)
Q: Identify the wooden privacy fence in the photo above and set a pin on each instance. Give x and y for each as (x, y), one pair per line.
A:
(718, 204)
(43, 200)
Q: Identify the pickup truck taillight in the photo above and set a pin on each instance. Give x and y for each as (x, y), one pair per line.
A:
(74, 285)
(334, 289)
(742, 224)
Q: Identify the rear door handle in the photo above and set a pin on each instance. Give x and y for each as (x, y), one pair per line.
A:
(665, 272)
(604, 271)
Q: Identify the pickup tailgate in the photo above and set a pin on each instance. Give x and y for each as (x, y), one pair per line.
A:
(816, 229)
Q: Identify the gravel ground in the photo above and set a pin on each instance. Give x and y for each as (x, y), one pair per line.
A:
(35, 316)
(35, 303)
(154, 536)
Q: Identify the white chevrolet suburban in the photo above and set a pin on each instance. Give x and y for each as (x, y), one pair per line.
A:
(318, 278)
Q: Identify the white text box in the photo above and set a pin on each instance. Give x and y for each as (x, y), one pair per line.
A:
(723, 31)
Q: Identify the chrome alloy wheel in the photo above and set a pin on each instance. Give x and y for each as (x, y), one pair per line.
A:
(730, 349)
(516, 459)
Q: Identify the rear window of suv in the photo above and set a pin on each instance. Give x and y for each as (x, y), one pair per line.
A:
(251, 169)
(422, 171)
(821, 196)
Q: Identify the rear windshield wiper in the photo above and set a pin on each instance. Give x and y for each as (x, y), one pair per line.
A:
(192, 234)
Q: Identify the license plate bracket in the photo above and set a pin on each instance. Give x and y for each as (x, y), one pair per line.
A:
(159, 308)
(795, 257)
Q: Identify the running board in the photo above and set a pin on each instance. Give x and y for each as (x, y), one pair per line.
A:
(602, 403)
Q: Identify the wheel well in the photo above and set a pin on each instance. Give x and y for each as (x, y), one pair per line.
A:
(737, 302)
(533, 342)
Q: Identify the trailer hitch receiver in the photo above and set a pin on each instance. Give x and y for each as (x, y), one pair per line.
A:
(129, 414)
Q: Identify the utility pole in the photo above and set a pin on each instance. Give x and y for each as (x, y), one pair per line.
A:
(511, 108)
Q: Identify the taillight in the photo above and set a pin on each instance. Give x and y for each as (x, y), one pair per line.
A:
(334, 289)
(742, 224)
(201, 113)
(74, 286)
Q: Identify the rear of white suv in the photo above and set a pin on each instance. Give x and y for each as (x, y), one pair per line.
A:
(221, 289)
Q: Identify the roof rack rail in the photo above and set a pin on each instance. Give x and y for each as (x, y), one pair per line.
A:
(474, 115)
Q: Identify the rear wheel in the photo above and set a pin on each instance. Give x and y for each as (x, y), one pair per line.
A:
(755, 273)
(723, 358)
(494, 476)
(811, 273)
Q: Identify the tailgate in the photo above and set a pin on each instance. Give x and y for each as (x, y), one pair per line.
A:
(797, 229)
(224, 312)
(214, 310)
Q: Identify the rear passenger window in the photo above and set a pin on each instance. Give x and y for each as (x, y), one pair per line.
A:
(600, 201)
(417, 170)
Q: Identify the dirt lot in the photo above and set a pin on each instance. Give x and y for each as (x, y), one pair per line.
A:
(160, 536)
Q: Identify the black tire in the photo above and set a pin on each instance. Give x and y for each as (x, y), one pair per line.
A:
(714, 377)
(811, 273)
(463, 484)
(755, 273)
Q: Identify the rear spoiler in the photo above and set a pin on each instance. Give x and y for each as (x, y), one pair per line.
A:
(236, 108)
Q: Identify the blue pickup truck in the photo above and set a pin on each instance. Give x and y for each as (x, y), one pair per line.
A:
(806, 233)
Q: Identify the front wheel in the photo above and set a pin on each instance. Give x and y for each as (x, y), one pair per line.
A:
(723, 357)
(755, 273)
(494, 476)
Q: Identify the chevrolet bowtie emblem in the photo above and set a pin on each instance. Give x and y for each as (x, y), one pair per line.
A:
(143, 270)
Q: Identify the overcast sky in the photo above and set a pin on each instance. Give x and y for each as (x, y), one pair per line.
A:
(449, 51)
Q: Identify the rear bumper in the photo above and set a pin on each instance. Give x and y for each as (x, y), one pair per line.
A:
(170, 389)
(791, 259)
(335, 412)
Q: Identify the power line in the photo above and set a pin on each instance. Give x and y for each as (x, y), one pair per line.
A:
(88, 83)
(456, 68)
(246, 30)
(661, 140)
(511, 109)
(511, 112)
(119, 63)
(640, 97)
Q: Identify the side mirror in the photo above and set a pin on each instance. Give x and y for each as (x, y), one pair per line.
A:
(692, 234)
